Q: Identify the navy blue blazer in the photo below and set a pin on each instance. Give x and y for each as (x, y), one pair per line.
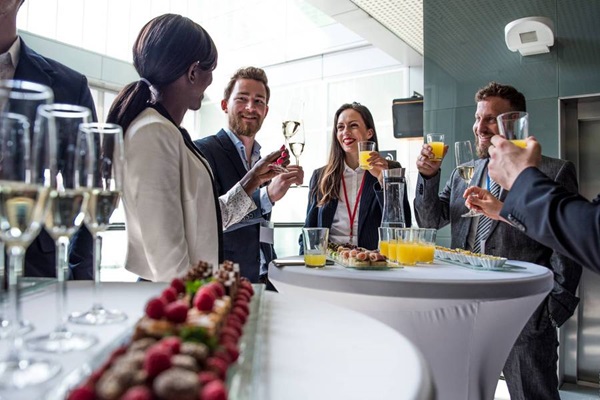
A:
(241, 242)
(556, 217)
(70, 87)
(371, 200)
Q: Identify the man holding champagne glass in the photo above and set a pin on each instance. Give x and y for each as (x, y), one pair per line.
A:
(231, 153)
(530, 369)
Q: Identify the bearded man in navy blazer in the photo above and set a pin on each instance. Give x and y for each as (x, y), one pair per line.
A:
(231, 153)
(17, 61)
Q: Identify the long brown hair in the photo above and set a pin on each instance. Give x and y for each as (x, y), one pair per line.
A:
(163, 51)
(328, 187)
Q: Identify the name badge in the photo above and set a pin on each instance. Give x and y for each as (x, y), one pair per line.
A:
(267, 232)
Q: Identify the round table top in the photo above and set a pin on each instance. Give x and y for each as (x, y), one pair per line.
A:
(440, 280)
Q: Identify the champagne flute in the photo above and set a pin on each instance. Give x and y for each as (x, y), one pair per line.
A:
(22, 97)
(71, 182)
(23, 208)
(106, 189)
(465, 166)
(296, 143)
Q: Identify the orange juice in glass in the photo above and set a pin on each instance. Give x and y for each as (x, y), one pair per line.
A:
(385, 236)
(514, 125)
(426, 245)
(315, 246)
(406, 252)
(436, 141)
(364, 153)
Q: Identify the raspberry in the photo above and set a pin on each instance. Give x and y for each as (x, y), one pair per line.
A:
(137, 393)
(157, 360)
(205, 377)
(82, 393)
(214, 390)
(178, 285)
(155, 308)
(218, 289)
(169, 294)
(233, 350)
(228, 334)
(177, 311)
(240, 313)
(172, 343)
(218, 366)
(204, 299)
(247, 284)
(234, 324)
(242, 305)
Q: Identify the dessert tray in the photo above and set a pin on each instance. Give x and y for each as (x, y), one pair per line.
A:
(472, 260)
(213, 343)
(359, 258)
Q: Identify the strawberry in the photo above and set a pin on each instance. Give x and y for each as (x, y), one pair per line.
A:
(178, 285)
(177, 311)
(205, 377)
(82, 393)
(204, 300)
(214, 390)
(169, 294)
(155, 308)
(157, 360)
(137, 393)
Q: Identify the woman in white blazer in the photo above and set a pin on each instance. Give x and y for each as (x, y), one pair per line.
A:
(174, 216)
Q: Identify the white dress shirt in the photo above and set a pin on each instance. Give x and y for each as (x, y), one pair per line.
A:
(340, 228)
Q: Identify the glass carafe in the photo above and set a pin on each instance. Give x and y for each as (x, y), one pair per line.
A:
(393, 198)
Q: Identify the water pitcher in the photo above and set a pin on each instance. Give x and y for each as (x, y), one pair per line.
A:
(393, 198)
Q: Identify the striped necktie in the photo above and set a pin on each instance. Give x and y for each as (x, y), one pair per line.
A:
(485, 223)
(6, 67)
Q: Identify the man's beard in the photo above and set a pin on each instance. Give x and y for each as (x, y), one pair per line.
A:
(240, 128)
(482, 152)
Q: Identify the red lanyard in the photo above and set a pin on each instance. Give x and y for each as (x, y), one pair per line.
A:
(352, 214)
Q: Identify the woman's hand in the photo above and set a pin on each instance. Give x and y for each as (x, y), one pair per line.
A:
(377, 164)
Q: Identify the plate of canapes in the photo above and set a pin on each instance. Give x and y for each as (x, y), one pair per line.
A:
(355, 257)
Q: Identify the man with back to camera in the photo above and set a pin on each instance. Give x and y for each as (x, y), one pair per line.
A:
(231, 153)
(530, 369)
(18, 61)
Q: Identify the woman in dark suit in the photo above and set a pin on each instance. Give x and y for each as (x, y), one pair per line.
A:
(342, 196)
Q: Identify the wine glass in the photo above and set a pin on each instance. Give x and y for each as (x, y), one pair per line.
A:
(23, 98)
(23, 207)
(108, 160)
(465, 166)
(69, 193)
(296, 142)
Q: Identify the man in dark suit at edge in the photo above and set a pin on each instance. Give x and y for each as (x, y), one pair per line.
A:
(530, 369)
(231, 153)
(17, 61)
(539, 207)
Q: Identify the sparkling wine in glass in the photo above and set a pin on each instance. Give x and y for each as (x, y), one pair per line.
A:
(296, 143)
(24, 197)
(107, 183)
(71, 181)
(465, 167)
(22, 98)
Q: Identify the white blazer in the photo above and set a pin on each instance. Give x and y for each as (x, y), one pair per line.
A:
(169, 205)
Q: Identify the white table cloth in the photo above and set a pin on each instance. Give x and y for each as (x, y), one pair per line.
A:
(306, 349)
(464, 321)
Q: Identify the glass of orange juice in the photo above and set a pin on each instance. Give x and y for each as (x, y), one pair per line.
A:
(315, 246)
(436, 141)
(514, 125)
(425, 245)
(406, 248)
(364, 153)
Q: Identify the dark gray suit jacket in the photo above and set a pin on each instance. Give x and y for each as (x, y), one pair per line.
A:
(69, 87)
(241, 242)
(435, 210)
(552, 215)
